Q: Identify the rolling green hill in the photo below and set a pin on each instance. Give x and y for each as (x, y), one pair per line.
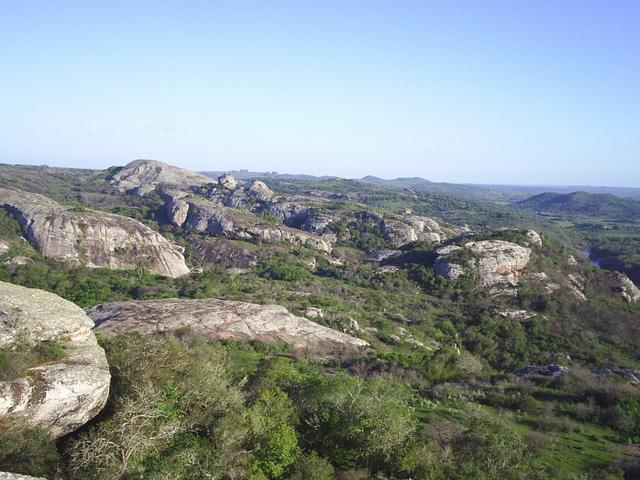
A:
(583, 203)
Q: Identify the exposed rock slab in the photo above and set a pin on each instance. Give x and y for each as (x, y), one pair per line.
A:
(91, 238)
(218, 319)
(224, 253)
(62, 395)
(142, 176)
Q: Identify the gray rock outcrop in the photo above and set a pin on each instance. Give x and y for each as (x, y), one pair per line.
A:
(142, 176)
(91, 238)
(498, 264)
(515, 314)
(628, 290)
(224, 253)
(196, 214)
(219, 319)
(534, 238)
(445, 266)
(61, 395)
(411, 229)
(228, 181)
(260, 191)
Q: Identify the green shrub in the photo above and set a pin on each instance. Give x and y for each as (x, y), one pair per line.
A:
(26, 450)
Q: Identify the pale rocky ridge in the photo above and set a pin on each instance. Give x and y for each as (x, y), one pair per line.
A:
(91, 238)
(219, 319)
(62, 395)
(234, 209)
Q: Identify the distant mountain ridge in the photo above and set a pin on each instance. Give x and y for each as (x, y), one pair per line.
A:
(583, 203)
(489, 192)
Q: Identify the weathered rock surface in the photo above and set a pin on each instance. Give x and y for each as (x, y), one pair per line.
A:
(214, 318)
(260, 191)
(314, 312)
(497, 263)
(91, 238)
(551, 370)
(515, 314)
(62, 395)
(382, 255)
(628, 373)
(534, 238)
(411, 229)
(17, 476)
(201, 215)
(19, 260)
(228, 181)
(575, 287)
(224, 253)
(142, 176)
(4, 247)
(445, 266)
(628, 290)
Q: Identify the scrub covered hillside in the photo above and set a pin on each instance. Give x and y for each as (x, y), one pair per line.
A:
(312, 329)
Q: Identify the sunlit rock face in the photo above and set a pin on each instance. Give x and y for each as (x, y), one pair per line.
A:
(142, 176)
(496, 263)
(90, 237)
(60, 395)
(219, 319)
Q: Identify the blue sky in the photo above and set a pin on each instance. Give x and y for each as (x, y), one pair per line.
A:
(526, 92)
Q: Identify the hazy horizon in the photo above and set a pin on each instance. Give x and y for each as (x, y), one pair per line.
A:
(477, 92)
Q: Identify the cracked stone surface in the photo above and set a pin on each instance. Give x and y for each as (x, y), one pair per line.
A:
(219, 319)
(61, 395)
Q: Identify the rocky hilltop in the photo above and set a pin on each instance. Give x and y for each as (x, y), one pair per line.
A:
(91, 238)
(142, 176)
(62, 394)
(218, 319)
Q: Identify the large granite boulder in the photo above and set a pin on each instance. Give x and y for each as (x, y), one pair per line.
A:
(401, 231)
(59, 395)
(499, 262)
(142, 176)
(219, 319)
(496, 263)
(91, 238)
(260, 191)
